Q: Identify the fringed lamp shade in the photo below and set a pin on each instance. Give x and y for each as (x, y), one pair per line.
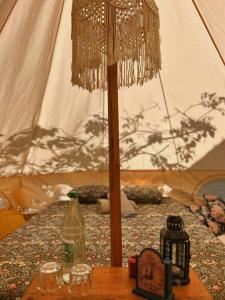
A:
(105, 32)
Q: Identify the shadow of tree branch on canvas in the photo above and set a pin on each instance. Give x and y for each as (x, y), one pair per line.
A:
(54, 150)
(188, 133)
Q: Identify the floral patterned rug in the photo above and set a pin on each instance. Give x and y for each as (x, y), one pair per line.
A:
(39, 240)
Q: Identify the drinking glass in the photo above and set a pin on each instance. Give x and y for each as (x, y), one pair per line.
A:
(80, 282)
(50, 279)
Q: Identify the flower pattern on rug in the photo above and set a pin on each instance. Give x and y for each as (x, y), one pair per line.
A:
(39, 240)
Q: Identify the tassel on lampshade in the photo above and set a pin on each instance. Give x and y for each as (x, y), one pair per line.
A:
(105, 32)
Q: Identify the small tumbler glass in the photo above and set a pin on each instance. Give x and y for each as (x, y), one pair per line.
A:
(80, 283)
(50, 279)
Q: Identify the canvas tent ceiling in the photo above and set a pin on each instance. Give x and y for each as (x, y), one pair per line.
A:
(48, 126)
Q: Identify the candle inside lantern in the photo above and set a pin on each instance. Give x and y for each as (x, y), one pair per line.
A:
(132, 266)
(176, 270)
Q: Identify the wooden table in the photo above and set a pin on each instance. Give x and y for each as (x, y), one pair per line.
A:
(114, 283)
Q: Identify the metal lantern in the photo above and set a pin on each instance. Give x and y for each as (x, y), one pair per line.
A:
(175, 246)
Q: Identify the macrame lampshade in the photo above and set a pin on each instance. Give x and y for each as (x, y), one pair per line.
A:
(105, 32)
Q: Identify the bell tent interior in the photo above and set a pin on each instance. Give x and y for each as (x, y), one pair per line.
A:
(54, 135)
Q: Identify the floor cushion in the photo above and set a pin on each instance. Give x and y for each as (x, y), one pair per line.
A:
(211, 213)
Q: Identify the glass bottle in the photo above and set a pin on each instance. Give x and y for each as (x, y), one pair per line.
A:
(73, 235)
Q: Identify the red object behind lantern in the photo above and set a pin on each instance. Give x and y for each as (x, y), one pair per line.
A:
(132, 266)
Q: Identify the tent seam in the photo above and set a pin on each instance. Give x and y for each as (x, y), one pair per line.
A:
(6, 19)
(170, 123)
(208, 31)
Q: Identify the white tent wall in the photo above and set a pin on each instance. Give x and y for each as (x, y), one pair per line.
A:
(26, 47)
(213, 13)
(65, 109)
(49, 127)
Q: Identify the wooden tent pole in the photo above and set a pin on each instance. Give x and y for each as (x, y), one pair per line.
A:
(114, 168)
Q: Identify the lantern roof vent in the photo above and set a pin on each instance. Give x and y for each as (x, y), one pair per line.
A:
(175, 223)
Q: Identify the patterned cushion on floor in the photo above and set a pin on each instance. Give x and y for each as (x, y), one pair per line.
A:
(137, 193)
(10, 220)
(143, 194)
(91, 193)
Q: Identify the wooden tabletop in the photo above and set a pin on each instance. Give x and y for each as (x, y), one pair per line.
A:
(114, 283)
